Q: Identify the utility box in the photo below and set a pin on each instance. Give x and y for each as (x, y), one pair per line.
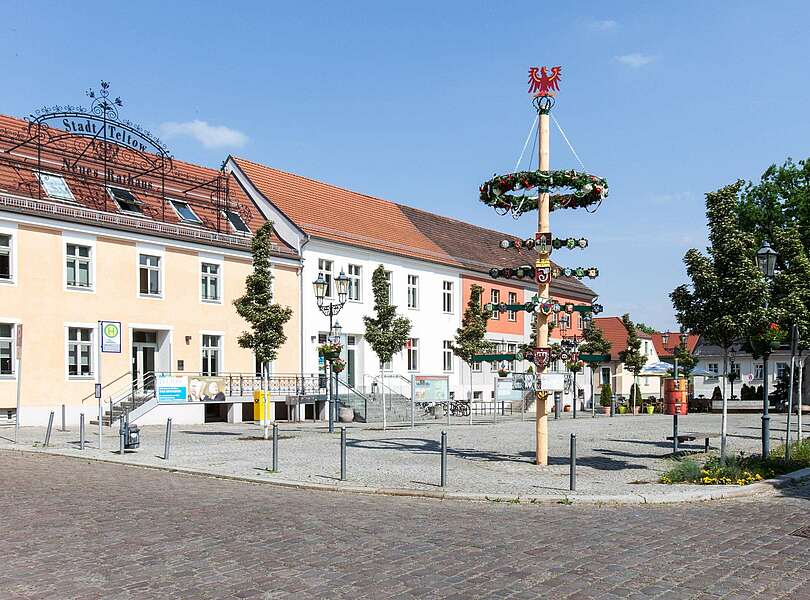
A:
(258, 406)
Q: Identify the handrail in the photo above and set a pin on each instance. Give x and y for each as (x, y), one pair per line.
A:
(109, 383)
(375, 379)
(353, 389)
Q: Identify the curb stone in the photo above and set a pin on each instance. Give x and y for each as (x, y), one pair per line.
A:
(765, 487)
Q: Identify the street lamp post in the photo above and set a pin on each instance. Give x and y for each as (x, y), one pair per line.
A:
(323, 292)
(732, 363)
(766, 262)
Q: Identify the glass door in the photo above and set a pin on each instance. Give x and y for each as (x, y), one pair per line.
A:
(144, 349)
(351, 360)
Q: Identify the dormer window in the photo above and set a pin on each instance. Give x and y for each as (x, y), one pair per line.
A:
(126, 200)
(236, 221)
(185, 212)
(55, 187)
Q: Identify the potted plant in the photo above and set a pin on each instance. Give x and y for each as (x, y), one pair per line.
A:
(338, 365)
(650, 407)
(767, 339)
(329, 351)
(567, 408)
(502, 372)
(605, 398)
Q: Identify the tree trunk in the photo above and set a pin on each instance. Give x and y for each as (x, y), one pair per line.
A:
(382, 385)
(724, 417)
(265, 385)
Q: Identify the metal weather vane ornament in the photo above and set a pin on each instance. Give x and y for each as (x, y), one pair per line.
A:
(543, 84)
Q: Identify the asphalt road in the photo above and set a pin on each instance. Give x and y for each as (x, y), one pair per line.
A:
(75, 529)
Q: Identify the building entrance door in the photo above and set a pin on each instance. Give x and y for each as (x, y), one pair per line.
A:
(144, 348)
(351, 360)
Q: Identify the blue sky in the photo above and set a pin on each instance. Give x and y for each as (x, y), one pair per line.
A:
(419, 102)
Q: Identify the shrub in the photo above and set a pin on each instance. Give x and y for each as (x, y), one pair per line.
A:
(605, 395)
(682, 470)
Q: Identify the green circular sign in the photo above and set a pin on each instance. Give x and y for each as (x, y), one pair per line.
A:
(111, 330)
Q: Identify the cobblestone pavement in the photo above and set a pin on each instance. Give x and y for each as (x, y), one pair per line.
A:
(616, 456)
(78, 529)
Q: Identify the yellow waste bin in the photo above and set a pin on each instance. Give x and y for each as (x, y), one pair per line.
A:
(258, 405)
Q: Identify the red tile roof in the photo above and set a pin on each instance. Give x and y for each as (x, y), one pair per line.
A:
(673, 341)
(188, 182)
(615, 333)
(329, 212)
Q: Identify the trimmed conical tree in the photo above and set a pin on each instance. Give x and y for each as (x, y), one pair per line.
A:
(386, 332)
(631, 356)
(265, 317)
(471, 336)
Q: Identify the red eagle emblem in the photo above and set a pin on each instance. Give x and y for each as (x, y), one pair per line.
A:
(543, 84)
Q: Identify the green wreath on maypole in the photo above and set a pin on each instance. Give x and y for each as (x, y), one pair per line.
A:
(586, 190)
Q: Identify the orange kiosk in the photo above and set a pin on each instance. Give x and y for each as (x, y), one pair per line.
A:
(676, 399)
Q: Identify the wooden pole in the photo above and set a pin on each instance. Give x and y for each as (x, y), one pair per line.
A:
(543, 289)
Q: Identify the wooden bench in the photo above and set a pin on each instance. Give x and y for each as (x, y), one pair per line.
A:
(692, 437)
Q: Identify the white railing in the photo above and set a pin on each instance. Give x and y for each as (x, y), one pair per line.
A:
(119, 221)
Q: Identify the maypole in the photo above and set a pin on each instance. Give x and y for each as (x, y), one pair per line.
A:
(584, 191)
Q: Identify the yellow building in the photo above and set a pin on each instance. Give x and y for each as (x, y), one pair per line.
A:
(95, 230)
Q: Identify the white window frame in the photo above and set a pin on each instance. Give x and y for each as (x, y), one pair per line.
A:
(759, 371)
(389, 275)
(197, 220)
(713, 368)
(150, 250)
(93, 351)
(564, 319)
(13, 324)
(412, 355)
(447, 297)
(780, 366)
(220, 350)
(219, 262)
(413, 291)
(602, 379)
(477, 367)
(355, 293)
(511, 348)
(232, 226)
(78, 239)
(512, 298)
(328, 275)
(495, 299)
(69, 198)
(135, 213)
(447, 356)
(10, 229)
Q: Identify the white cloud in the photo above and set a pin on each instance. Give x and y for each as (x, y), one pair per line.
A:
(636, 60)
(210, 136)
(603, 25)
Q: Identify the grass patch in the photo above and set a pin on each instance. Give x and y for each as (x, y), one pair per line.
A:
(741, 469)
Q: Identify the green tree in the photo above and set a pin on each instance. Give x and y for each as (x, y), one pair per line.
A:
(265, 317)
(646, 328)
(725, 301)
(631, 356)
(386, 332)
(686, 360)
(471, 336)
(606, 395)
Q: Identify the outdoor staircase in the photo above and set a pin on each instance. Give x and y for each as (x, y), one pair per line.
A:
(131, 402)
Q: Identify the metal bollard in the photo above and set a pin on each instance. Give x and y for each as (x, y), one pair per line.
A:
(444, 459)
(573, 466)
(275, 447)
(612, 405)
(81, 431)
(167, 444)
(675, 431)
(556, 406)
(48, 433)
(342, 453)
(63, 418)
(121, 439)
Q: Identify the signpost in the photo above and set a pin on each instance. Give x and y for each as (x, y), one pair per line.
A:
(109, 335)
